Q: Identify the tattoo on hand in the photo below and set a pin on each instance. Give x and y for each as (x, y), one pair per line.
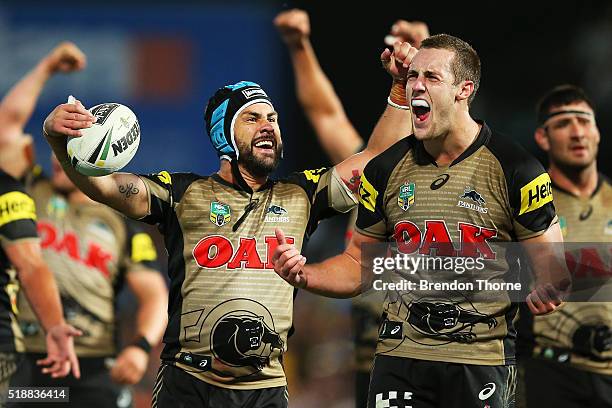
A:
(353, 183)
(128, 190)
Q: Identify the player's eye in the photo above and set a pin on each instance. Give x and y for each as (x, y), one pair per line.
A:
(272, 119)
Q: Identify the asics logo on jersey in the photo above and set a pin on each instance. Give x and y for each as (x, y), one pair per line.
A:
(217, 251)
(586, 213)
(440, 181)
(473, 239)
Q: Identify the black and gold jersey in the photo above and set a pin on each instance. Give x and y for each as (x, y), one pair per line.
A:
(580, 334)
(17, 223)
(493, 192)
(89, 248)
(229, 312)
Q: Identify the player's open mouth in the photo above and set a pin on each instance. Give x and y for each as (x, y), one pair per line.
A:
(421, 109)
(265, 145)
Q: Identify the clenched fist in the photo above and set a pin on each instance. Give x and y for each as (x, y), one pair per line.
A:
(413, 32)
(396, 62)
(293, 25)
(66, 57)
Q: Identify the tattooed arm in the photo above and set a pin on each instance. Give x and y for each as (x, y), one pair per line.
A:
(125, 192)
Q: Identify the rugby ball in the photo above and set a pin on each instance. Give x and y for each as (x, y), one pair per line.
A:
(109, 144)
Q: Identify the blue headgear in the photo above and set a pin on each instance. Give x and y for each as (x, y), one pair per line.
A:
(221, 112)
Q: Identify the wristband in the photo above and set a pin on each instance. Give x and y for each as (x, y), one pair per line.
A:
(142, 343)
(395, 105)
(397, 96)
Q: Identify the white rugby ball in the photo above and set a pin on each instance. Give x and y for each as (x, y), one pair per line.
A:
(109, 144)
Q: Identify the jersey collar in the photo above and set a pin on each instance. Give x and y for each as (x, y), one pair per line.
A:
(424, 158)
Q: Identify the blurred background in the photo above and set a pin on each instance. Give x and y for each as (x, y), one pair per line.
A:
(164, 59)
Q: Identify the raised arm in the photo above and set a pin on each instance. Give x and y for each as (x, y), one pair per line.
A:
(18, 104)
(315, 91)
(395, 122)
(125, 192)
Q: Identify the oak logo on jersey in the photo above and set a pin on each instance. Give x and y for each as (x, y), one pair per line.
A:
(367, 194)
(474, 239)
(16, 206)
(220, 214)
(243, 336)
(72, 245)
(476, 203)
(275, 213)
(314, 175)
(405, 197)
(446, 320)
(535, 194)
(216, 251)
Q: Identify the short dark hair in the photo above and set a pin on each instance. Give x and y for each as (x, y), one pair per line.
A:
(466, 63)
(558, 96)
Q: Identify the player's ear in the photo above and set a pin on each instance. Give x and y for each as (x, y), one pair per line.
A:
(466, 89)
(541, 138)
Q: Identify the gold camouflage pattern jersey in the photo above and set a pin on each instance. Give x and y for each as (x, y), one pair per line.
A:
(493, 192)
(17, 223)
(580, 333)
(229, 312)
(89, 248)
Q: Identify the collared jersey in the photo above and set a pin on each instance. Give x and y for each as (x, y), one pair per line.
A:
(229, 312)
(580, 333)
(17, 223)
(89, 248)
(493, 192)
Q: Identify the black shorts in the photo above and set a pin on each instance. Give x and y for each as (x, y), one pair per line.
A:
(362, 382)
(405, 382)
(94, 389)
(174, 388)
(552, 384)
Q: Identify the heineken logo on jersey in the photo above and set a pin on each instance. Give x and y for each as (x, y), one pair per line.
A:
(220, 214)
(275, 213)
(472, 200)
(406, 196)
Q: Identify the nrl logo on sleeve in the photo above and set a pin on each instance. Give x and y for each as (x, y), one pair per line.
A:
(535, 194)
(220, 214)
(275, 213)
(406, 196)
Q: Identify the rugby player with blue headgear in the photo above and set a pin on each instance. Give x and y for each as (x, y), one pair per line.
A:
(229, 313)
